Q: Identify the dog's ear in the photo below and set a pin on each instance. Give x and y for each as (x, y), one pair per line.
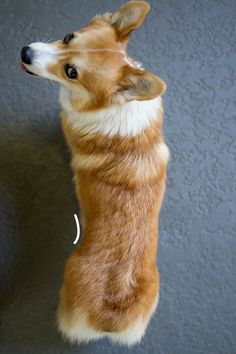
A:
(136, 84)
(129, 17)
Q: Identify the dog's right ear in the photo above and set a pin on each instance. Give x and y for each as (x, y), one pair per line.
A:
(129, 17)
(138, 85)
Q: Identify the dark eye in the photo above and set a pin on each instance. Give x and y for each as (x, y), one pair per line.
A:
(70, 72)
(68, 37)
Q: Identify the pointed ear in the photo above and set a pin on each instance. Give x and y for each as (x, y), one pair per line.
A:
(129, 17)
(140, 85)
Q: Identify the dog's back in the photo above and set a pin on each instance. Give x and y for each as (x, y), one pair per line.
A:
(111, 280)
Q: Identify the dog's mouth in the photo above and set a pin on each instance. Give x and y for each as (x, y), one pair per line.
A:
(25, 69)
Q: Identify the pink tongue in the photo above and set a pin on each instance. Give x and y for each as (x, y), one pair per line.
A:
(23, 67)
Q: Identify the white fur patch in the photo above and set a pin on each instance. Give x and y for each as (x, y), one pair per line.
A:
(75, 327)
(86, 161)
(134, 333)
(44, 54)
(163, 152)
(131, 335)
(128, 119)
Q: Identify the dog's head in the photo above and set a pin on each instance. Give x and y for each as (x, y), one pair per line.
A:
(92, 63)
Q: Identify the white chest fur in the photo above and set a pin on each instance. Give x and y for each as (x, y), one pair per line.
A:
(128, 119)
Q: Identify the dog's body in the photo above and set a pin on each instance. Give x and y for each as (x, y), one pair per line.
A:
(112, 276)
(114, 129)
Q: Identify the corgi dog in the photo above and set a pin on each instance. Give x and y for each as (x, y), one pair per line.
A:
(112, 118)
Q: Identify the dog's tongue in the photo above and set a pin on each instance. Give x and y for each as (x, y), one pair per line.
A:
(23, 67)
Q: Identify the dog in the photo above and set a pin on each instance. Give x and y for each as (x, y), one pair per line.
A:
(112, 118)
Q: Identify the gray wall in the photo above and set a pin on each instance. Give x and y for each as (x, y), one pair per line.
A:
(191, 45)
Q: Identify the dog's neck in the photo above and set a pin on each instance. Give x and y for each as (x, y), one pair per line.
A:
(127, 119)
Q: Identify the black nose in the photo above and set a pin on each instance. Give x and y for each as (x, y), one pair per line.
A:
(27, 55)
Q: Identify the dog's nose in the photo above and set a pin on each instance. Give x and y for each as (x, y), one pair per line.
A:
(27, 55)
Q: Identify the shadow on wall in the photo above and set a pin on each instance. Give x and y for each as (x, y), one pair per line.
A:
(37, 226)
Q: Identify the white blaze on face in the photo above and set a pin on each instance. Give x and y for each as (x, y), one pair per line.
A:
(43, 55)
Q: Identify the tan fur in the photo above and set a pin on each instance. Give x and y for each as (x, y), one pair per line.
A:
(111, 282)
(111, 278)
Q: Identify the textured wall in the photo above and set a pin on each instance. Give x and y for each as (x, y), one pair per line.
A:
(191, 45)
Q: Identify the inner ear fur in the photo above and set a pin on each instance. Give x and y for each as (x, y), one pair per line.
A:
(136, 84)
(129, 17)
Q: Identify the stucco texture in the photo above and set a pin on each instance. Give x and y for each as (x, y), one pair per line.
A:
(189, 44)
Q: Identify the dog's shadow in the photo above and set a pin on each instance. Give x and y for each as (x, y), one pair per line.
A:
(37, 232)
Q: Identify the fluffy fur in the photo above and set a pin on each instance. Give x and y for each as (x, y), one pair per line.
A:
(112, 119)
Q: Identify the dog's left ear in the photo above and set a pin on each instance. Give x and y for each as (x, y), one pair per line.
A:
(140, 85)
(129, 17)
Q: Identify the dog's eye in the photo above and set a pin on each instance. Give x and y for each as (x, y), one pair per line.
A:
(68, 38)
(70, 72)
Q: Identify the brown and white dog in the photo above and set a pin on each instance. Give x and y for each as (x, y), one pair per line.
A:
(112, 118)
